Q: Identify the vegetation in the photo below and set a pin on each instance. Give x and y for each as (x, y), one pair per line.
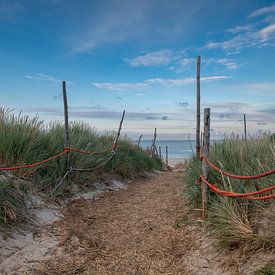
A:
(237, 222)
(268, 269)
(25, 140)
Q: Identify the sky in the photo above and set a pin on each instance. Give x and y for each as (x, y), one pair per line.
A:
(140, 55)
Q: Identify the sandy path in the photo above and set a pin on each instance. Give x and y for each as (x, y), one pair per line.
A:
(141, 230)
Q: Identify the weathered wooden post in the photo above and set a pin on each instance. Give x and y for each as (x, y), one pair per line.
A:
(160, 152)
(139, 139)
(154, 142)
(198, 106)
(244, 121)
(205, 168)
(66, 121)
(119, 130)
(166, 155)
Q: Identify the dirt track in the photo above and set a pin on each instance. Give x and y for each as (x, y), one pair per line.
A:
(140, 230)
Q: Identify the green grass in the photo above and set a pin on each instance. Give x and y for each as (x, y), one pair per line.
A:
(25, 140)
(268, 269)
(237, 222)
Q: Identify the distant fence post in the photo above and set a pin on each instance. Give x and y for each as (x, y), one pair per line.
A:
(66, 120)
(154, 143)
(160, 152)
(205, 168)
(244, 121)
(166, 155)
(119, 130)
(139, 139)
(198, 106)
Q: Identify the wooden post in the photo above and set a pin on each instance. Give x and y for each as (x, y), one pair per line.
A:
(66, 120)
(198, 106)
(205, 168)
(166, 155)
(244, 121)
(119, 130)
(160, 152)
(154, 142)
(139, 139)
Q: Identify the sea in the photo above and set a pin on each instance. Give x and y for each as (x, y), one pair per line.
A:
(178, 150)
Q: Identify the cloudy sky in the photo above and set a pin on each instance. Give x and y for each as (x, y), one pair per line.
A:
(140, 55)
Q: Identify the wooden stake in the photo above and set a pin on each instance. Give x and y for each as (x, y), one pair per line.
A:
(166, 155)
(160, 152)
(198, 106)
(119, 130)
(66, 120)
(205, 168)
(154, 142)
(244, 121)
(139, 139)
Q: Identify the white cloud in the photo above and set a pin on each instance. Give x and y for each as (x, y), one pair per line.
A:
(239, 29)
(120, 86)
(176, 60)
(146, 84)
(162, 57)
(229, 64)
(267, 32)
(263, 11)
(43, 77)
(259, 38)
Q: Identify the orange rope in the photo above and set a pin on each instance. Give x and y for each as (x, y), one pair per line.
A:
(261, 175)
(66, 150)
(215, 189)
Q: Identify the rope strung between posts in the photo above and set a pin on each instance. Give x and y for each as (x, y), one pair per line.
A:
(248, 196)
(212, 165)
(113, 150)
(66, 150)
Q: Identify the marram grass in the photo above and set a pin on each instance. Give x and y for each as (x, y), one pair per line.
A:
(24, 140)
(235, 221)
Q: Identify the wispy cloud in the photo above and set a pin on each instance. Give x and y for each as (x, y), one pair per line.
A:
(262, 37)
(156, 58)
(43, 77)
(263, 11)
(250, 35)
(146, 84)
(121, 86)
(137, 21)
(239, 29)
(176, 60)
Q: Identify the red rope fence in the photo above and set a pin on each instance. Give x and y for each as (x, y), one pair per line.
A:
(65, 151)
(258, 176)
(249, 195)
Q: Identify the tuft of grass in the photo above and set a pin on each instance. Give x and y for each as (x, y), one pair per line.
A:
(268, 269)
(12, 202)
(235, 221)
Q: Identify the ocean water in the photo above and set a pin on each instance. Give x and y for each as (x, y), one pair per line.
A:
(178, 150)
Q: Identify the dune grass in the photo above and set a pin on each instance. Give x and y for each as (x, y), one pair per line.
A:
(25, 140)
(237, 222)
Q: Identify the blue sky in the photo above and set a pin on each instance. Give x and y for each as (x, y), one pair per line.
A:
(141, 56)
